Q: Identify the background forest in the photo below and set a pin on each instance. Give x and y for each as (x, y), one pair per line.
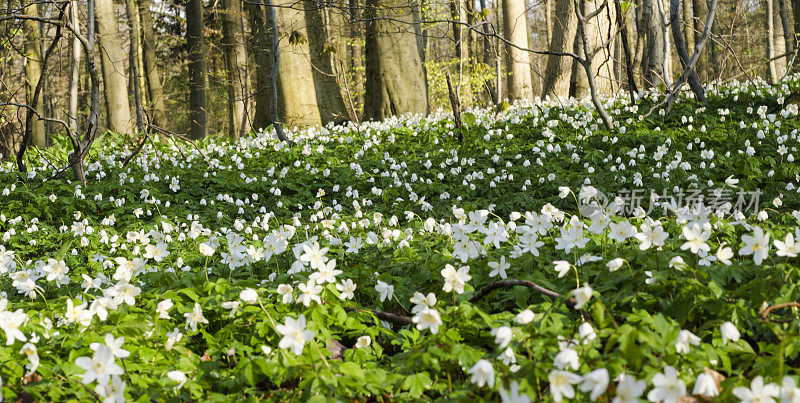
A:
(211, 63)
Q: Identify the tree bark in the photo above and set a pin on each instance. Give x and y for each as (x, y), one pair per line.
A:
(33, 72)
(113, 65)
(559, 68)
(150, 67)
(328, 92)
(237, 77)
(197, 70)
(395, 82)
(518, 62)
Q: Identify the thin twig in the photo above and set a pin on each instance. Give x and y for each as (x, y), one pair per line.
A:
(767, 311)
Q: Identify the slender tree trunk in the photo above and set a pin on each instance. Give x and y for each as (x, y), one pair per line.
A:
(136, 39)
(772, 73)
(699, 12)
(272, 23)
(622, 22)
(237, 79)
(639, 57)
(559, 68)
(487, 49)
(787, 31)
(688, 23)
(328, 92)
(75, 72)
(150, 67)
(356, 52)
(197, 70)
(395, 76)
(33, 72)
(675, 23)
(713, 66)
(130, 11)
(518, 62)
(583, 43)
(778, 39)
(115, 82)
(796, 36)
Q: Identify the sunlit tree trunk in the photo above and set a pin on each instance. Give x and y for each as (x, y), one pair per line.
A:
(559, 68)
(653, 59)
(135, 26)
(150, 67)
(699, 11)
(33, 72)
(74, 79)
(113, 57)
(772, 73)
(788, 35)
(598, 31)
(395, 77)
(328, 92)
(297, 99)
(238, 79)
(518, 62)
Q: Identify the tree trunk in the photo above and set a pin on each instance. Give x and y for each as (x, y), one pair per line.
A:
(787, 32)
(113, 66)
(297, 102)
(699, 11)
(640, 25)
(713, 66)
(688, 23)
(237, 77)
(680, 47)
(558, 72)
(150, 67)
(395, 77)
(134, 49)
(136, 39)
(653, 59)
(263, 64)
(487, 50)
(33, 72)
(197, 69)
(598, 30)
(328, 92)
(75, 72)
(772, 73)
(796, 43)
(518, 62)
